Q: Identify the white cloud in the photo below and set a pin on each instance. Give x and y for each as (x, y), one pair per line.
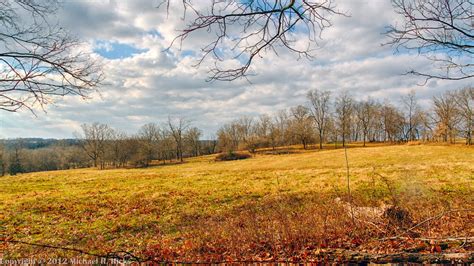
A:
(154, 84)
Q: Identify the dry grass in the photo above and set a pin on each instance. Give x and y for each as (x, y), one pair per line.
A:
(266, 207)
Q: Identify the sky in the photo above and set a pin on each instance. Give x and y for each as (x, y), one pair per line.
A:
(144, 83)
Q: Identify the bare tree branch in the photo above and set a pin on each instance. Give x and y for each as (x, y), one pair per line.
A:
(247, 29)
(441, 30)
(39, 61)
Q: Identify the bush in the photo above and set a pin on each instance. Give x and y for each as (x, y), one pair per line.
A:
(230, 156)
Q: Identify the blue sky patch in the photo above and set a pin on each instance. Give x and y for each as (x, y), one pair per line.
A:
(116, 50)
(155, 33)
(187, 53)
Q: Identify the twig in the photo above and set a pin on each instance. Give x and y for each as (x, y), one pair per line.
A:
(110, 255)
(389, 187)
(374, 225)
(447, 239)
(466, 240)
(345, 255)
(428, 220)
(349, 186)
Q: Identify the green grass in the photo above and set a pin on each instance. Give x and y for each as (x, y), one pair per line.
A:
(131, 209)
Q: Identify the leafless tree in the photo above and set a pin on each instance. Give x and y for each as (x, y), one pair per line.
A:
(365, 112)
(15, 165)
(244, 127)
(253, 132)
(177, 129)
(412, 115)
(192, 140)
(39, 60)
(225, 143)
(393, 121)
(209, 145)
(94, 142)
(274, 133)
(149, 135)
(439, 29)
(3, 163)
(320, 105)
(228, 137)
(344, 109)
(262, 127)
(465, 102)
(249, 28)
(267, 131)
(281, 122)
(332, 133)
(120, 150)
(447, 115)
(301, 125)
(166, 147)
(426, 126)
(376, 128)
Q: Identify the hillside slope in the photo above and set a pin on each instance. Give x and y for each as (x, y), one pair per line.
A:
(185, 211)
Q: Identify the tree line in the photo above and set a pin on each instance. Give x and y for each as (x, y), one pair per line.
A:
(101, 146)
(324, 119)
(172, 141)
(342, 119)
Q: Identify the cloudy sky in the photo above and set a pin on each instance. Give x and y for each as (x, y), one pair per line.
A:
(145, 84)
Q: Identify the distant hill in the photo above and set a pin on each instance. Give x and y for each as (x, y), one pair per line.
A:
(36, 143)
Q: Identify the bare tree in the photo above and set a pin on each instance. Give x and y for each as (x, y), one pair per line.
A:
(282, 122)
(177, 129)
(465, 102)
(319, 100)
(274, 133)
(149, 135)
(166, 147)
(249, 28)
(192, 140)
(15, 165)
(267, 131)
(376, 127)
(94, 142)
(426, 126)
(209, 145)
(392, 120)
(412, 115)
(301, 125)
(439, 29)
(228, 137)
(120, 150)
(38, 60)
(262, 127)
(447, 115)
(344, 109)
(365, 112)
(244, 126)
(3, 163)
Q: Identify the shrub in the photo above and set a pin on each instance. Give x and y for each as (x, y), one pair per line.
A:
(230, 156)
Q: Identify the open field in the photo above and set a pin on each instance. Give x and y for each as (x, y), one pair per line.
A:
(266, 207)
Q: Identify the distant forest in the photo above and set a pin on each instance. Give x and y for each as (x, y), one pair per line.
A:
(36, 143)
(323, 119)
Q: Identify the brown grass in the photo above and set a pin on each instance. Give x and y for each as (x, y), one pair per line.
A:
(269, 207)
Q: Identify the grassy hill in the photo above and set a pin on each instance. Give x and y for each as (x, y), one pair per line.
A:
(269, 206)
